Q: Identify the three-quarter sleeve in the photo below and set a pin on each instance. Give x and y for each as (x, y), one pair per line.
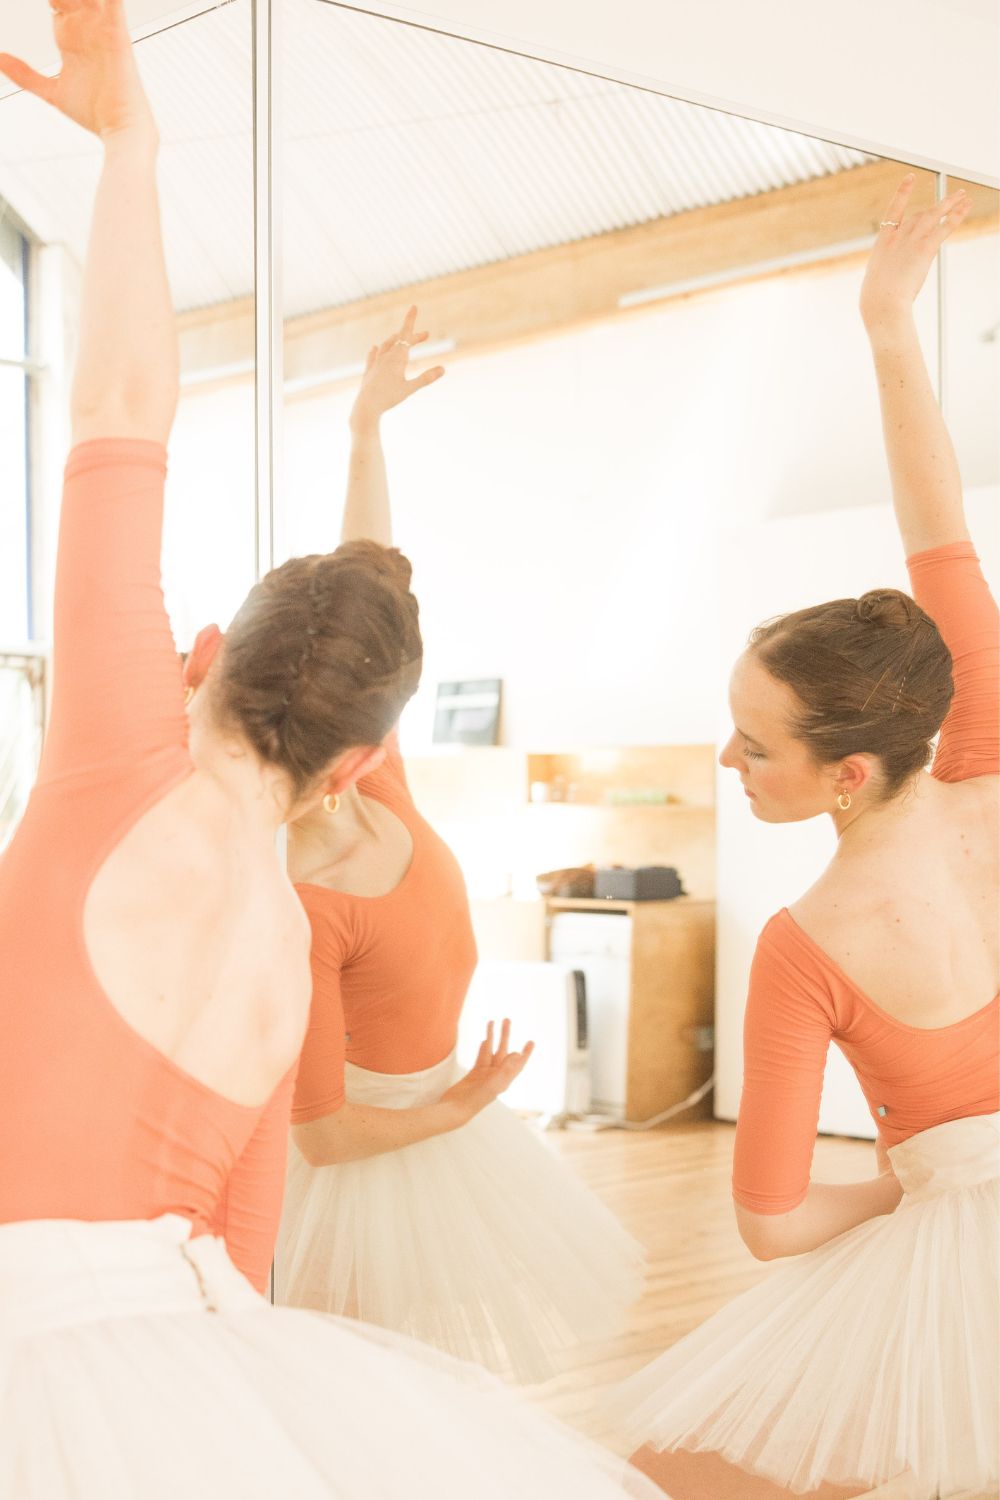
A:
(948, 583)
(249, 1212)
(319, 1089)
(787, 1030)
(117, 694)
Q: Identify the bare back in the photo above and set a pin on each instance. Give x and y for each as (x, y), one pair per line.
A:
(909, 910)
(199, 942)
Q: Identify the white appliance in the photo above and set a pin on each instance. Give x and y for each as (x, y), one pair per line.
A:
(599, 945)
(546, 1004)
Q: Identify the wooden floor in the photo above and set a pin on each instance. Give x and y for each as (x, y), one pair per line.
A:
(670, 1188)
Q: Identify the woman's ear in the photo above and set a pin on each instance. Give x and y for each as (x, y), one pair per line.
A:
(855, 773)
(354, 764)
(202, 654)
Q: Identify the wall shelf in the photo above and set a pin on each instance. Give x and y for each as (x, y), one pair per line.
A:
(479, 800)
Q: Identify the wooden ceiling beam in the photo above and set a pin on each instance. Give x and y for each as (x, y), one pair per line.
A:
(552, 290)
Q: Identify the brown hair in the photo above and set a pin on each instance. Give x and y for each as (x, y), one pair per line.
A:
(871, 674)
(322, 655)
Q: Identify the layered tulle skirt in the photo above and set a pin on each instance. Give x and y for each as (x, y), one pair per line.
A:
(138, 1365)
(479, 1242)
(875, 1356)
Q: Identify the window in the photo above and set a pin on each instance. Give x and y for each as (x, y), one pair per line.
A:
(22, 668)
(15, 596)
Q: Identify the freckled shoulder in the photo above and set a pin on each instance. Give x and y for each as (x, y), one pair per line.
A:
(835, 898)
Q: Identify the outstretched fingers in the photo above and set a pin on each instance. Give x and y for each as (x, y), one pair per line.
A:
(939, 222)
(484, 1057)
(408, 324)
(514, 1064)
(26, 78)
(898, 203)
(427, 378)
(943, 216)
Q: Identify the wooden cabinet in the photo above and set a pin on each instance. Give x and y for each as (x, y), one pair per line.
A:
(671, 1000)
(510, 815)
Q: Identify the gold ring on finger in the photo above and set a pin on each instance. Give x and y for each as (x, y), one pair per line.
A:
(889, 224)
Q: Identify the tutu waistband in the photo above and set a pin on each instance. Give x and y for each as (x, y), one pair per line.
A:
(58, 1272)
(399, 1090)
(957, 1154)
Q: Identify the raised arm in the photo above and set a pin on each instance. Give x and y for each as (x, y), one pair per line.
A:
(926, 487)
(116, 694)
(126, 379)
(367, 513)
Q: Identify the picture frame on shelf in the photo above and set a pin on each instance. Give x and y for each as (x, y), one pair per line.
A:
(468, 713)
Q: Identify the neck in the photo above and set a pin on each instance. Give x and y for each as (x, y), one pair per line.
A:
(258, 792)
(319, 839)
(869, 819)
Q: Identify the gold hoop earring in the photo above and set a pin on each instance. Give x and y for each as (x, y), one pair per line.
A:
(188, 694)
(331, 803)
(844, 801)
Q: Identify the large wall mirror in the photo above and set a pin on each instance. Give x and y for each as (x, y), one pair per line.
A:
(659, 426)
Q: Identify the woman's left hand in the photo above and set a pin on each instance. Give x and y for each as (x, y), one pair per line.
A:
(384, 384)
(904, 252)
(494, 1071)
(98, 85)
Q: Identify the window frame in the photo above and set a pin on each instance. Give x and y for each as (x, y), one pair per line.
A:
(26, 249)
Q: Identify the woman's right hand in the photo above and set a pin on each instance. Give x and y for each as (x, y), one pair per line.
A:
(494, 1071)
(98, 85)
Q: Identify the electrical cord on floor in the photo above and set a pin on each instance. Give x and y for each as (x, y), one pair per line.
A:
(668, 1114)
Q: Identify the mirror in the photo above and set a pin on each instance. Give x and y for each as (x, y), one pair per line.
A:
(659, 426)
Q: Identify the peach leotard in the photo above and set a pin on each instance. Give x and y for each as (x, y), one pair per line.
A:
(95, 1122)
(390, 973)
(800, 1000)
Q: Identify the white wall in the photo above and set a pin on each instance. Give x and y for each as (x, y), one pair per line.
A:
(912, 79)
(208, 534)
(563, 501)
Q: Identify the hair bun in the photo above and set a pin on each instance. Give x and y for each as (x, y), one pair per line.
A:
(387, 563)
(888, 607)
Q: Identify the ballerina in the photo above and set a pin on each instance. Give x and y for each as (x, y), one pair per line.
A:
(415, 1200)
(872, 1358)
(156, 972)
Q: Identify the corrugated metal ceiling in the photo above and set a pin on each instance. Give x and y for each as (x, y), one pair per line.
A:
(406, 155)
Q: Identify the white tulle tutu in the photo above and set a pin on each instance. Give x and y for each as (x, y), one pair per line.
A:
(477, 1241)
(136, 1365)
(875, 1356)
